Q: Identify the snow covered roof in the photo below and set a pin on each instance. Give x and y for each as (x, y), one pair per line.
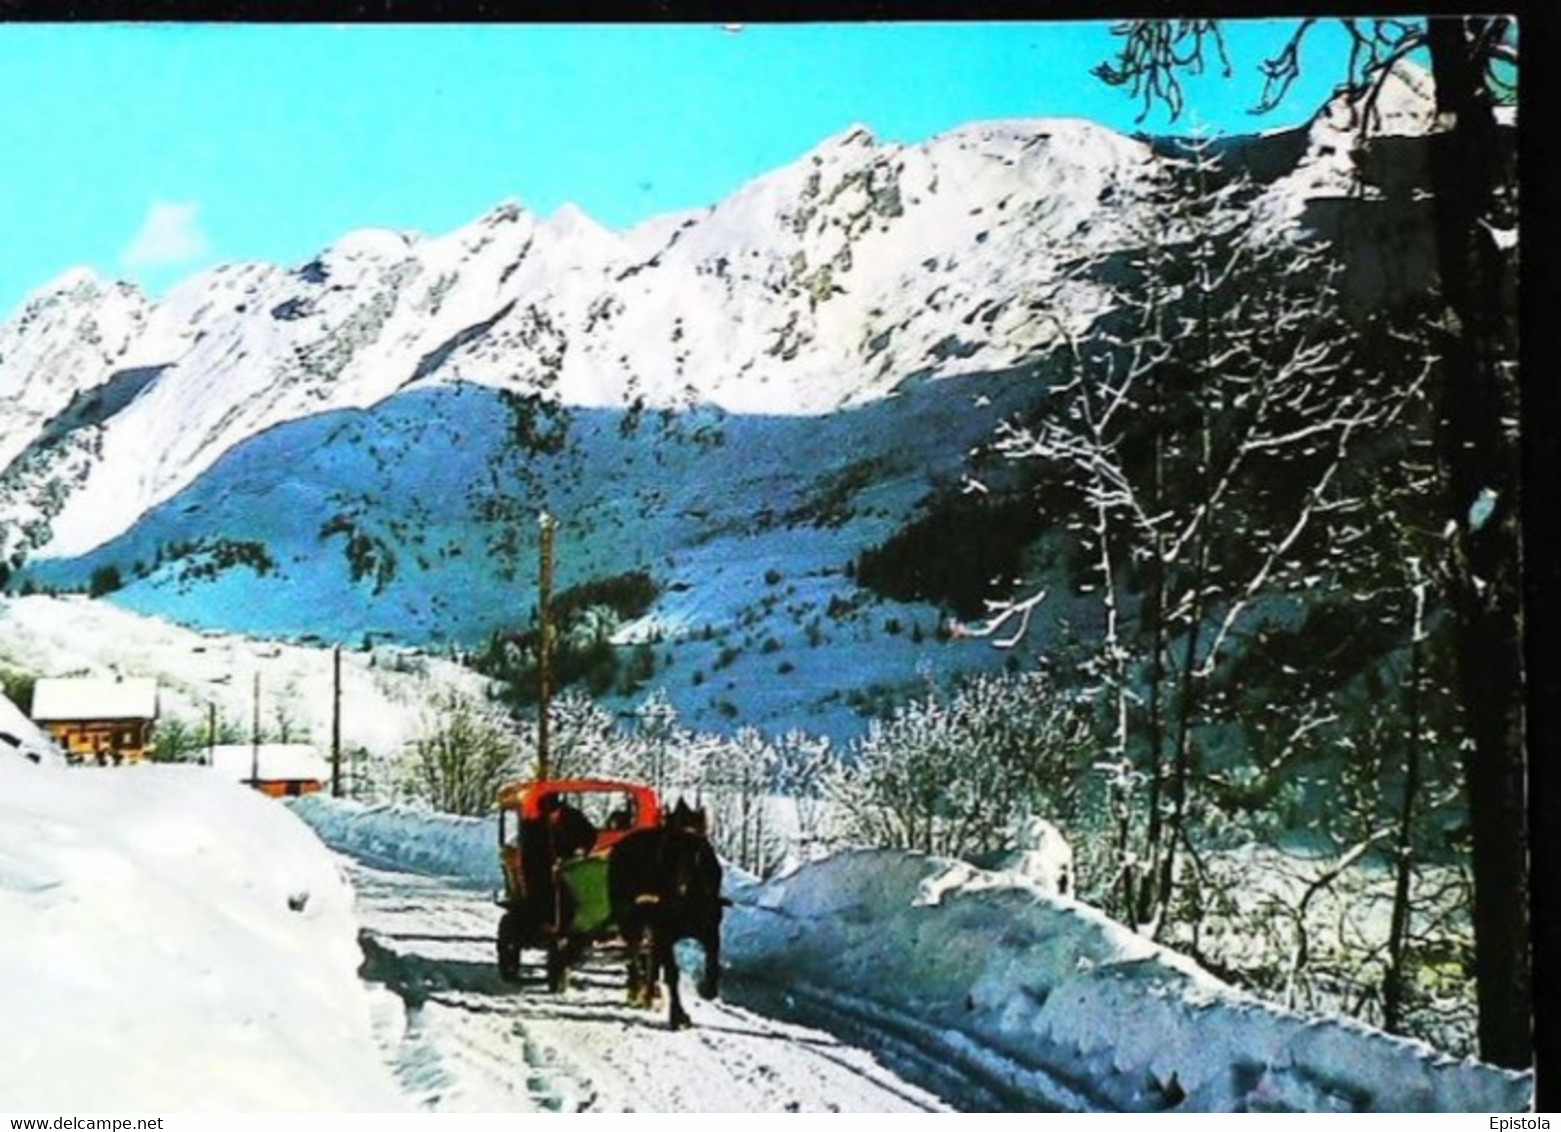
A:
(279, 762)
(77, 698)
(21, 735)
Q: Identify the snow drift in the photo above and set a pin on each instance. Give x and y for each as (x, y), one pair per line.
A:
(24, 738)
(1068, 1007)
(174, 942)
(407, 838)
(1052, 986)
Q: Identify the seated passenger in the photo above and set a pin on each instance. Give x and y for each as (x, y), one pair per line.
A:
(572, 832)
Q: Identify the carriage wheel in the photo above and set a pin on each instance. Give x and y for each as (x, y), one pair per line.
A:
(509, 947)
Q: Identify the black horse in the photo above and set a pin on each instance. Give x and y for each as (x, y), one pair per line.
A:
(665, 885)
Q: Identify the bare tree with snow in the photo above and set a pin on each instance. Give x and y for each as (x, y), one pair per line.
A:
(957, 775)
(1202, 433)
(465, 751)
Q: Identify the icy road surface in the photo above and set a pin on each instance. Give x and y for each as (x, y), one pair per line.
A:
(467, 1041)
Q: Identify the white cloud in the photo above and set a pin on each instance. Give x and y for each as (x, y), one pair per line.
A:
(170, 234)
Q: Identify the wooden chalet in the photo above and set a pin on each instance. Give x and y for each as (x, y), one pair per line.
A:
(282, 770)
(102, 720)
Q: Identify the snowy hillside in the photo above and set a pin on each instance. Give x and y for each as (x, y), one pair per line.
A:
(174, 942)
(355, 536)
(1051, 1002)
(384, 694)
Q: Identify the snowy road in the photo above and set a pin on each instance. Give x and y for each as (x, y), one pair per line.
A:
(462, 1040)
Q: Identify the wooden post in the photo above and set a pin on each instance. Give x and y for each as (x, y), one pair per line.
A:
(544, 645)
(254, 737)
(211, 734)
(336, 722)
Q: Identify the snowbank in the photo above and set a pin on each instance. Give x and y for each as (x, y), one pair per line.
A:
(1060, 1003)
(22, 737)
(174, 942)
(403, 837)
(1040, 854)
(1023, 979)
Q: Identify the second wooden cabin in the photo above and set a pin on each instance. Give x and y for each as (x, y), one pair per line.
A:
(282, 770)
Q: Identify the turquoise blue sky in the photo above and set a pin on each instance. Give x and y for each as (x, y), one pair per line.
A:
(148, 152)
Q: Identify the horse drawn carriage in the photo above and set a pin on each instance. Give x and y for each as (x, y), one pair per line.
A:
(589, 861)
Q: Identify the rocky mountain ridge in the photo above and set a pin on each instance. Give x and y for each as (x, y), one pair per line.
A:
(736, 400)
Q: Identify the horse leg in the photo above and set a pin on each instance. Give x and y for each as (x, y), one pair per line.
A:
(666, 959)
(710, 982)
(557, 967)
(566, 952)
(634, 965)
(652, 977)
(708, 935)
(631, 968)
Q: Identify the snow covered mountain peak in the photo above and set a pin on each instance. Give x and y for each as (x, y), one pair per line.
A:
(72, 281)
(371, 244)
(826, 283)
(66, 337)
(856, 135)
(570, 218)
(1404, 105)
(507, 211)
(76, 287)
(578, 239)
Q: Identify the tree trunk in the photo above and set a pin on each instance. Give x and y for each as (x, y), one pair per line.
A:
(1481, 458)
(1181, 766)
(1394, 980)
(1154, 612)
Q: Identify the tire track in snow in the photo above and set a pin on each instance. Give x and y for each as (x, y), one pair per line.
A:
(467, 1041)
(976, 1079)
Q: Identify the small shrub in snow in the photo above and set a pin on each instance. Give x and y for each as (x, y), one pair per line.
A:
(462, 756)
(956, 777)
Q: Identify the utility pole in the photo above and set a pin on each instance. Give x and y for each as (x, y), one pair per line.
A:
(336, 722)
(254, 737)
(544, 644)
